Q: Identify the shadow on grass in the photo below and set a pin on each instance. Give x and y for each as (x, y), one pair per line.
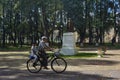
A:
(14, 55)
(78, 62)
(11, 68)
(15, 60)
(15, 74)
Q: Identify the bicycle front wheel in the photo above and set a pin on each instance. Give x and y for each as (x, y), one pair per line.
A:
(58, 65)
(33, 66)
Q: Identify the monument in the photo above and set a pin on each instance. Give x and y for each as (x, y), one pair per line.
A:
(68, 46)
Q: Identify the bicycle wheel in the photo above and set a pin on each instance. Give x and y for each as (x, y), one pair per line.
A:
(58, 65)
(33, 67)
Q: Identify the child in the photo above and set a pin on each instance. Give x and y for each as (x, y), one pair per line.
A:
(33, 51)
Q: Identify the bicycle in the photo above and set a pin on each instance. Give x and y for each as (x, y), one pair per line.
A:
(57, 63)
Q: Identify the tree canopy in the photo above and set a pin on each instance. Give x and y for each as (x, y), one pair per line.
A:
(25, 21)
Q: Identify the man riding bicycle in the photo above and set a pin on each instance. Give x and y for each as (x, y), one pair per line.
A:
(43, 46)
(58, 64)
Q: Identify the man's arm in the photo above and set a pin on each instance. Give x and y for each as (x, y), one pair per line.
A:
(47, 47)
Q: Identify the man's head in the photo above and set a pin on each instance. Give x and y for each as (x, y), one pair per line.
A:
(44, 38)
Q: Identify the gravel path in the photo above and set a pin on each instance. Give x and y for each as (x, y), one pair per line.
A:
(13, 67)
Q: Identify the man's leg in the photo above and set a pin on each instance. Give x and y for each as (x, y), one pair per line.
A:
(44, 61)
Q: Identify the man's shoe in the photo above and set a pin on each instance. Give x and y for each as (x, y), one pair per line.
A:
(46, 68)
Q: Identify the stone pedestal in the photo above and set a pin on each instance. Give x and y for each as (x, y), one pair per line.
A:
(68, 46)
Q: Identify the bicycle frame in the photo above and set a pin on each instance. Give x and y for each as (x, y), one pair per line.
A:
(50, 57)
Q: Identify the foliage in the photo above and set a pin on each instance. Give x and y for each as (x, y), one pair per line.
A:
(28, 20)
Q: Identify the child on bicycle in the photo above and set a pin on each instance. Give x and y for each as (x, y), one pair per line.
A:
(33, 51)
(43, 46)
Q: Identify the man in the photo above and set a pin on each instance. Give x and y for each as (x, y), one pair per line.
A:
(43, 46)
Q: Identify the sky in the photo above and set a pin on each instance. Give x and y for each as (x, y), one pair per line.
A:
(116, 6)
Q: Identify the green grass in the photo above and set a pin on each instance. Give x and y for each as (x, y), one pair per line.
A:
(14, 48)
(108, 45)
(27, 48)
(115, 46)
(81, 55)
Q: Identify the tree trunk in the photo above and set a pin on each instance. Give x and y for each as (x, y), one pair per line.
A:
(90, 33)
(20, 40)
(3, 27)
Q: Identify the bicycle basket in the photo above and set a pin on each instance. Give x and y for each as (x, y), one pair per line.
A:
(57, 53)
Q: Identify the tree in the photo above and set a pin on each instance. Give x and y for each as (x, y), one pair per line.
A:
(30, 19)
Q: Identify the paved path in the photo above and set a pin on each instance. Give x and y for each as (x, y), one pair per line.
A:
(13, 67)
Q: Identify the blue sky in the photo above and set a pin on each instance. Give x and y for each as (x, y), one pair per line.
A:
(116, 6)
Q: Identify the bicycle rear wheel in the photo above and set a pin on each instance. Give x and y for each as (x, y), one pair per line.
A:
(33, 67)
(58, 65)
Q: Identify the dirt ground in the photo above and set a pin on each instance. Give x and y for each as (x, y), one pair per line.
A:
(13, 67)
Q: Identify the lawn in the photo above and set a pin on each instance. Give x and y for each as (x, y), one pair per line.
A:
(81, 55)
(77, 55)
(27, 48)
(14, 48)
